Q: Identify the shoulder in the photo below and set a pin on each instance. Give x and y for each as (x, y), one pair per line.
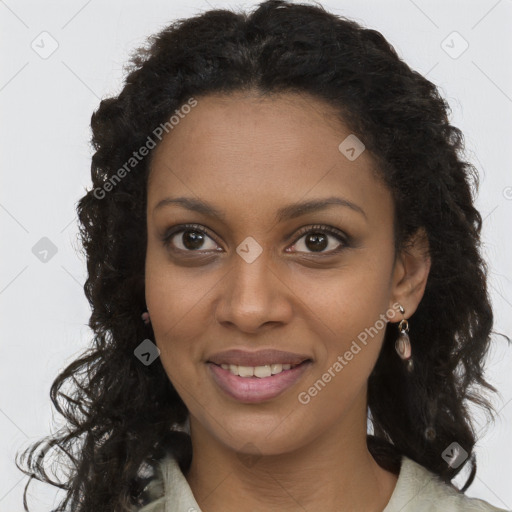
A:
(419, 490)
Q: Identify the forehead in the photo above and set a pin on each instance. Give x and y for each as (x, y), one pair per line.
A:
(256, 151)
(271, 128)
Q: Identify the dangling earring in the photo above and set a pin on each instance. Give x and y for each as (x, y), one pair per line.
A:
(145, 317)
(403, 349)
(403, 344)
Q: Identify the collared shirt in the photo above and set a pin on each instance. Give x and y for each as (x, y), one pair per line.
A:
(416, 490)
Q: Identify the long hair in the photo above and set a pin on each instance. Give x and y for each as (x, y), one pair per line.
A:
(122, 415)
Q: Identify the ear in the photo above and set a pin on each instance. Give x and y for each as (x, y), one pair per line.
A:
(410, 273)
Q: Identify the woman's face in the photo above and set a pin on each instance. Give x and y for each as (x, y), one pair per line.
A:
(256, 280)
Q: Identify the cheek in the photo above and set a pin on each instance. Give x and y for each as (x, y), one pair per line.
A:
(348, 300)
(172, 292)
(177, 299)
(347, 314)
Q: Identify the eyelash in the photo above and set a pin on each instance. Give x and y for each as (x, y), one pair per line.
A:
(345, 240)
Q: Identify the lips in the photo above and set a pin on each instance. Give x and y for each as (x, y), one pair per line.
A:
(254, 389)
(260, 358)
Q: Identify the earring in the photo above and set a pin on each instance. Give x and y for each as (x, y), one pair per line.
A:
(403, 344)
(145, 317)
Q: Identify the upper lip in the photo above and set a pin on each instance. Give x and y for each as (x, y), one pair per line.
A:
(260, 358)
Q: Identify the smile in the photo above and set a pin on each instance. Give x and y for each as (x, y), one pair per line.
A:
(251, 384)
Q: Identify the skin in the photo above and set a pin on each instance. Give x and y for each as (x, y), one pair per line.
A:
(250, 155)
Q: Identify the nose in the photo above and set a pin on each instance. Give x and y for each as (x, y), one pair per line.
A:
(253, 296)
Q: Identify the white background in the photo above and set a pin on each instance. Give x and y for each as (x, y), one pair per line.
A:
(46, 105)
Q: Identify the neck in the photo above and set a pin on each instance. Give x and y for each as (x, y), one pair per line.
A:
(334, 472)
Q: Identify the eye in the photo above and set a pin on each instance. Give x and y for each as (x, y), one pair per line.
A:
(316, 240)
(192, 238)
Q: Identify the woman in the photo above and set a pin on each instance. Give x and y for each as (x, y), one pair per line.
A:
(281, 245)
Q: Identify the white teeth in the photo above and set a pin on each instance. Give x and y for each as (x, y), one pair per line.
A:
(256, 371)
(276, 368)
(262, 371)
(244, 371)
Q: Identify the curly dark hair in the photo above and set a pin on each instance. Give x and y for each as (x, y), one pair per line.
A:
(121, 414)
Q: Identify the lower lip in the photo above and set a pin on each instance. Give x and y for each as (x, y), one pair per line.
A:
(255, 389)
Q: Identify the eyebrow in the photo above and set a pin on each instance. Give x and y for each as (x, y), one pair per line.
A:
(288, 212)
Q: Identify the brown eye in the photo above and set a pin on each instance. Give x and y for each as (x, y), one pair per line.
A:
(192, 239)
(317, 239)
(188, 239)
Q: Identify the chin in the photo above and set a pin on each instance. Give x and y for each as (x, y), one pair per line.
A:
(254, 440)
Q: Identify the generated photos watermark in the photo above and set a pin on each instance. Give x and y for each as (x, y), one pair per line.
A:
(143, 151)
(305, 397)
